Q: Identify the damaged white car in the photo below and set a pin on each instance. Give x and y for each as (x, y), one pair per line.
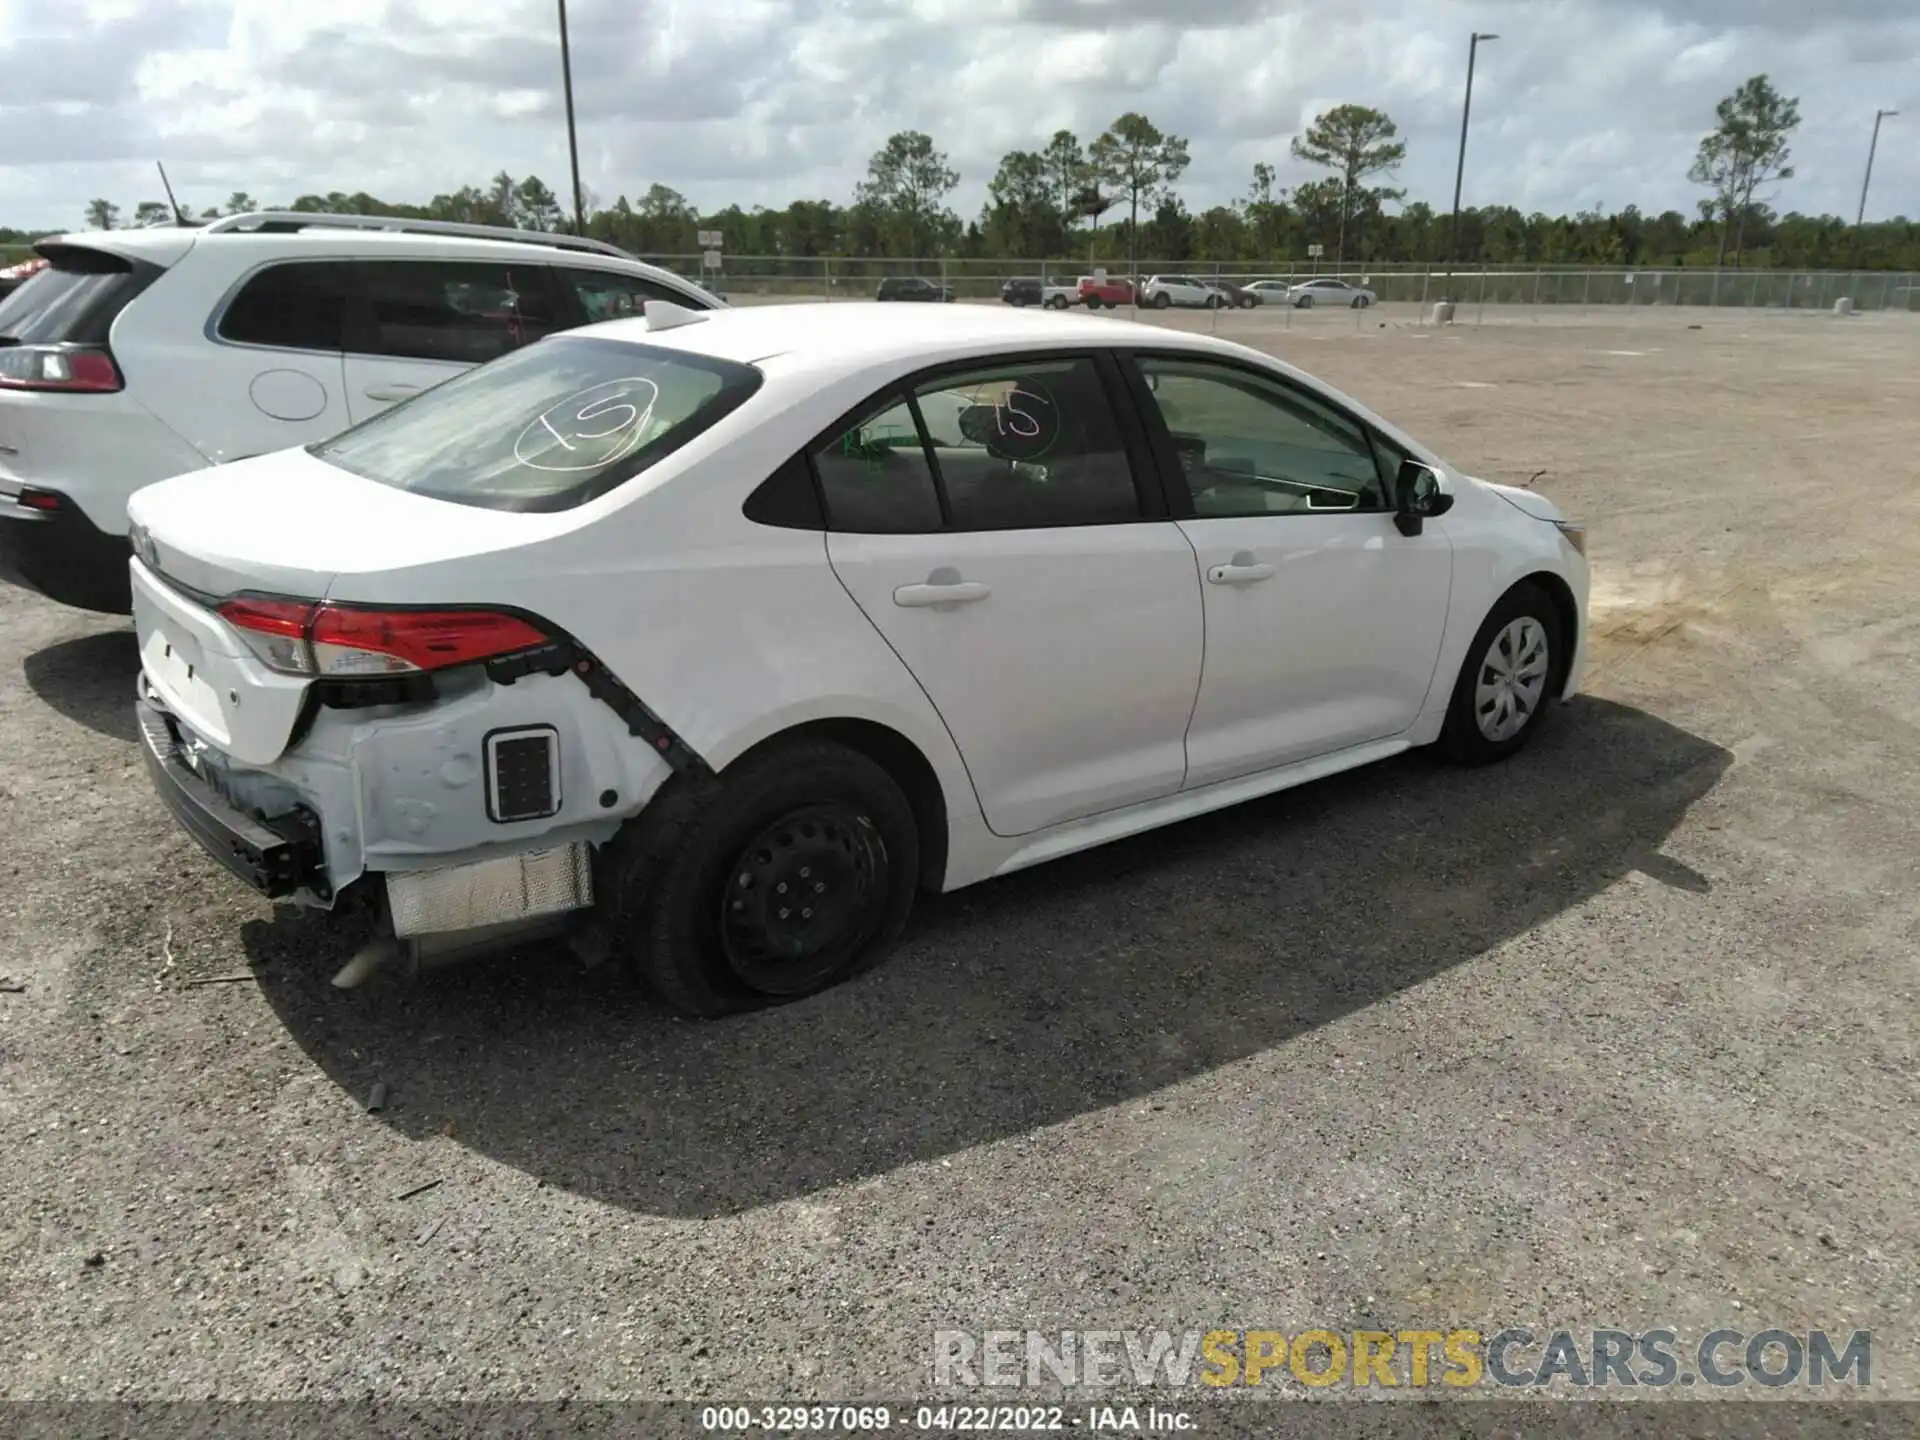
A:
(722, 634)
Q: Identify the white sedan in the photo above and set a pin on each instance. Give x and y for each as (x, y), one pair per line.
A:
(717, 636)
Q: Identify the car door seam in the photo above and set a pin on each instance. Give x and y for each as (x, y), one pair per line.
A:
(1200, 685)
(826, 541)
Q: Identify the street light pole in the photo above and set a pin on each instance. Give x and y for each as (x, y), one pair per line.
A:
(573, 138)
(1460, 171)
(1878, 116)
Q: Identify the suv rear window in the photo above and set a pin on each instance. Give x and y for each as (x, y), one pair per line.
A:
(75, 299)
(548, 427)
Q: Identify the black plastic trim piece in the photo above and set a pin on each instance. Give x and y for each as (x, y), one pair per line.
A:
(561, 657)
(275, 855)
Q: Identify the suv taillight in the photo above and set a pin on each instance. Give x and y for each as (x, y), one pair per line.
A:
(88, 369)
(299, 637)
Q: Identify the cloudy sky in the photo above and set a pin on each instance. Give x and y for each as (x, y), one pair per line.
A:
(1579, 103)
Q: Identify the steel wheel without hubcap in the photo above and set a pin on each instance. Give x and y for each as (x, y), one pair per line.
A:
(1512, 679)
(804, 895)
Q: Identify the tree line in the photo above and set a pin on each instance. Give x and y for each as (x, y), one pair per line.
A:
(1115, 198)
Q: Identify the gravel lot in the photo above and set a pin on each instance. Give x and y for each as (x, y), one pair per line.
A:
(1621, 1033)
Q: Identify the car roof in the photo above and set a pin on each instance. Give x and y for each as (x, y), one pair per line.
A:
(165, 244)
(848, 335)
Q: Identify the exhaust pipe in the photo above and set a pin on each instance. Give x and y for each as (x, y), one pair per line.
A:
(436, 949)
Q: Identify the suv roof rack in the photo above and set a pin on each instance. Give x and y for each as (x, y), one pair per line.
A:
(290, 221)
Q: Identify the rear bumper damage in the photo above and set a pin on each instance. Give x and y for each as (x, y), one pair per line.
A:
(404, 804)
(278, 855)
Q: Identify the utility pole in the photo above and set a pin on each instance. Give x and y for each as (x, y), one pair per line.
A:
(1878, 116)
(573, 138)
(1460, 171)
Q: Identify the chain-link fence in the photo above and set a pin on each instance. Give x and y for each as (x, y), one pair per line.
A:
(785, 277)
(820, 278)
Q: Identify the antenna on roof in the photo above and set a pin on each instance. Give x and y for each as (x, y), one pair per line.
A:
(178, 218)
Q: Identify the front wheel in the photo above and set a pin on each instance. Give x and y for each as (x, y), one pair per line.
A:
(1306, 302)
(1506, 684)
(1093, 302)
(1213, 302)
(1247, 302)
(1058, 302)
(789, 873)
(1162, 300)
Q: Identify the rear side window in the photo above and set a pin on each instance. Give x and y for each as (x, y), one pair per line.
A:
(1029, 445)
(548, 427)
(608, 295)
(297, 306)
(461, 311)
(75, 300)
(874, 475)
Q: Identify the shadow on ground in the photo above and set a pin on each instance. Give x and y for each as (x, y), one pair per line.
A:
(89, 679)
(1016, 1003)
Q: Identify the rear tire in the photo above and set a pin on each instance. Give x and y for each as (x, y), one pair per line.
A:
(788, 874)
(1162, 300)
(1509, 679)
(1093, 302)
(1306, 302)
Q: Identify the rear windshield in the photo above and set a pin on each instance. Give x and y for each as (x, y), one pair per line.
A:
(74, 300)
(547, 427)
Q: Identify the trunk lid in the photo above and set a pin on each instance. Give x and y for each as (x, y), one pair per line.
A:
(288, 524)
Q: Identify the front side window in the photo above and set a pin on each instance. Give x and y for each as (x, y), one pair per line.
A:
(467, 312)
(1253, 446)
(609, 295)
(547, 427)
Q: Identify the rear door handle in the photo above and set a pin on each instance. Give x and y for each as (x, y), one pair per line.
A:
(1240, 573)
(390, 392)
(937, 592)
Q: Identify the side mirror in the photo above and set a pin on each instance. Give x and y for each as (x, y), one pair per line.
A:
(1418, 497)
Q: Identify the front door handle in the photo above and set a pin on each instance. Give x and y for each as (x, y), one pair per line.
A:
(943, 587)
(390, 392)
(1243, 569)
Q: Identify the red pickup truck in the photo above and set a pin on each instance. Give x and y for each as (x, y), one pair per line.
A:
(1114, 290)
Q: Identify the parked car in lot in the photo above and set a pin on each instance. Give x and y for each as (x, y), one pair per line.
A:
(724, 633)
(138, 354)
(912, 287)
(1270, 292)
(14, 276)
(1330, 291)
(1239, 297)
(1114, 290)
(1033, 290)
(1161, 292)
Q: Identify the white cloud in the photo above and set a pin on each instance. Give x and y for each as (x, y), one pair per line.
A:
(1580, 102)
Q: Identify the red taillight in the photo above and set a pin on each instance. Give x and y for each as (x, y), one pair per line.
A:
(348, 641)
(297, 637)
(86, 369)
(33, 499)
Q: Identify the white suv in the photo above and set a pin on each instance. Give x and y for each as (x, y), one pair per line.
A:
(136, 355)
(1162, 291)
